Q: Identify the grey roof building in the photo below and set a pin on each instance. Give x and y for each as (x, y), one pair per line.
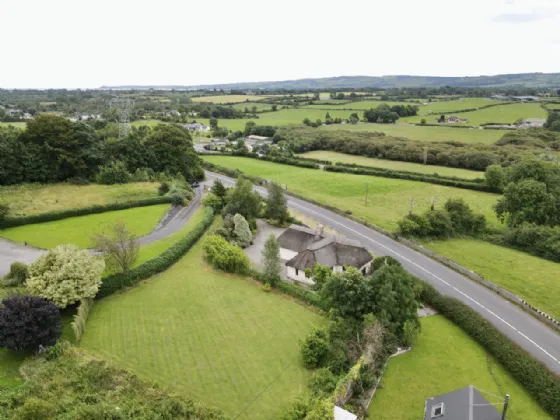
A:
(303, 247)
(463, 404)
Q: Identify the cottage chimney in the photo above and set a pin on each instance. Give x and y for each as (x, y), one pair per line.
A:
(318, 232)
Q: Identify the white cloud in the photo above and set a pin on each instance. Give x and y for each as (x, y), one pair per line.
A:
(64, 43)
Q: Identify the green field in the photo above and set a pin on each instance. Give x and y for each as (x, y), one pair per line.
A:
(506, 114)
(392, 164)
(359, 106)
(227, 99)
(148, 123)
(260, 106)
(533, 278)
(78, 230)
(388, 199)
(445, 359)
(428, 134)
(27, 199)
(15, 124)
(553, 106)
(455, 105)
(388, 202)
(216, 338)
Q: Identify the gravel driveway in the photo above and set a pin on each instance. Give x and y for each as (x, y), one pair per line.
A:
(254, 251)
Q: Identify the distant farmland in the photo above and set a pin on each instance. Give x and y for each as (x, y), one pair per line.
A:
(228, 99)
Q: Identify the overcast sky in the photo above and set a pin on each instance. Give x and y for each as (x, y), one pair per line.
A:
(87, 44)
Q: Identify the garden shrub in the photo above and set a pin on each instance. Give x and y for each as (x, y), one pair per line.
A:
(28, 323)
(35, 408)
(314, 349)
(542, 241)
(537, 379)
(241, 231)
(163, 188)
(4, 210)
(323, 382)
(225, 256)
(65, 275)
(158, 264)
(95, 209)
(384, 260)
(80, 319)
(17, 275)
(113, 173)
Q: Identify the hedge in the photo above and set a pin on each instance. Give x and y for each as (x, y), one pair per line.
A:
(434, 175)
(536, 378)
(387, 173)
(162, 262)
(95, 209)
(303, 163)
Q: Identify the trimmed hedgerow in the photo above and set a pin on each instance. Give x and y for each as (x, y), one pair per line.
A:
(80, 319)
(537, 379)
(388, 173)
(63, 214)
(156, 265)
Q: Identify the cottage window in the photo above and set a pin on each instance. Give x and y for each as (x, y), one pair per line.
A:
(297, 272)
(438, 411)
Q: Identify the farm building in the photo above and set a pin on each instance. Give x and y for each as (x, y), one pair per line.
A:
(454, 119)
(532, 122)
(302, 247)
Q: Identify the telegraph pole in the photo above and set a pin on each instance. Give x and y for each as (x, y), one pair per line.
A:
(367, 189)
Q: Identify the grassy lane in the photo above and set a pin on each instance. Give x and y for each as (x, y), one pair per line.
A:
(216, 338)
(78, 230)
(445, 359)
(9, 369)
(27, 199)
(531, 277)
(388, 199)
(393, 164)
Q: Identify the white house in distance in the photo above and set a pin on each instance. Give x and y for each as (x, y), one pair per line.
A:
(302, 247)
(197, 127)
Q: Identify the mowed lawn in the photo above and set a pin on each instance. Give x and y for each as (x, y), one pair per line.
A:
(533, 278)
(445, 359)
(426, 133)
(506, 114)
(78, 230)
(25, 199)
(216, 338)
(388, 199)
(392, 164)
(226, 99)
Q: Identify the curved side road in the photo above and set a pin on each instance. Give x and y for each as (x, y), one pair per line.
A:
(529, 333)
(12, 251)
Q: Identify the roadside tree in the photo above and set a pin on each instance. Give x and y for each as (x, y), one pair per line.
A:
(276, 204)
(120, 247)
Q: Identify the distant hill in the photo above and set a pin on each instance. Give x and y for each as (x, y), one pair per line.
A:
(533, 80)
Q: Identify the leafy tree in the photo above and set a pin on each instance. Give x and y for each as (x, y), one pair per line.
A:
(323, 382)
(327, 116)
(214, 202)
(28, 323)
(4, 210)
(319, 123)
(423, 121)
(241, 148)
(65, 275)
(348, 293)
(271, 260)
(243, 200)
(249, 125)
(113, 173)
(17, 275)
(307, 121)
(241, 231)
(170, 150)
(276, 204)
(213, 122)
(120, 247)
(410, 332)
(495, 177)
(392, 291)
(274, 107)
(314, 349)
(441, 118)
(254, 109)
(527, 201)
(219, 190)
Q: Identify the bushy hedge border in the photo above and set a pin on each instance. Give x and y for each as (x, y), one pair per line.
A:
(283, 160)
(434, 175)
(387, 173)
(158, 264)
(537, 379)
(80, 319)
(64, 214)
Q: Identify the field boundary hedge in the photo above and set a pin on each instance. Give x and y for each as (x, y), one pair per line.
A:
(537, 379)
(537, 313)
(82, 211)
(162, 262)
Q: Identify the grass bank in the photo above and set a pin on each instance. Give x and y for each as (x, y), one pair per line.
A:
(78, 230)
(445, 359)
(216, 338)
(28, 199)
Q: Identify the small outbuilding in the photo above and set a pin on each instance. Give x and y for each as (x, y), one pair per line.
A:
(462, 404)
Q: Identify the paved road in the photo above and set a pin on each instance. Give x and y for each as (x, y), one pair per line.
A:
(172, 222)
(539, 340)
